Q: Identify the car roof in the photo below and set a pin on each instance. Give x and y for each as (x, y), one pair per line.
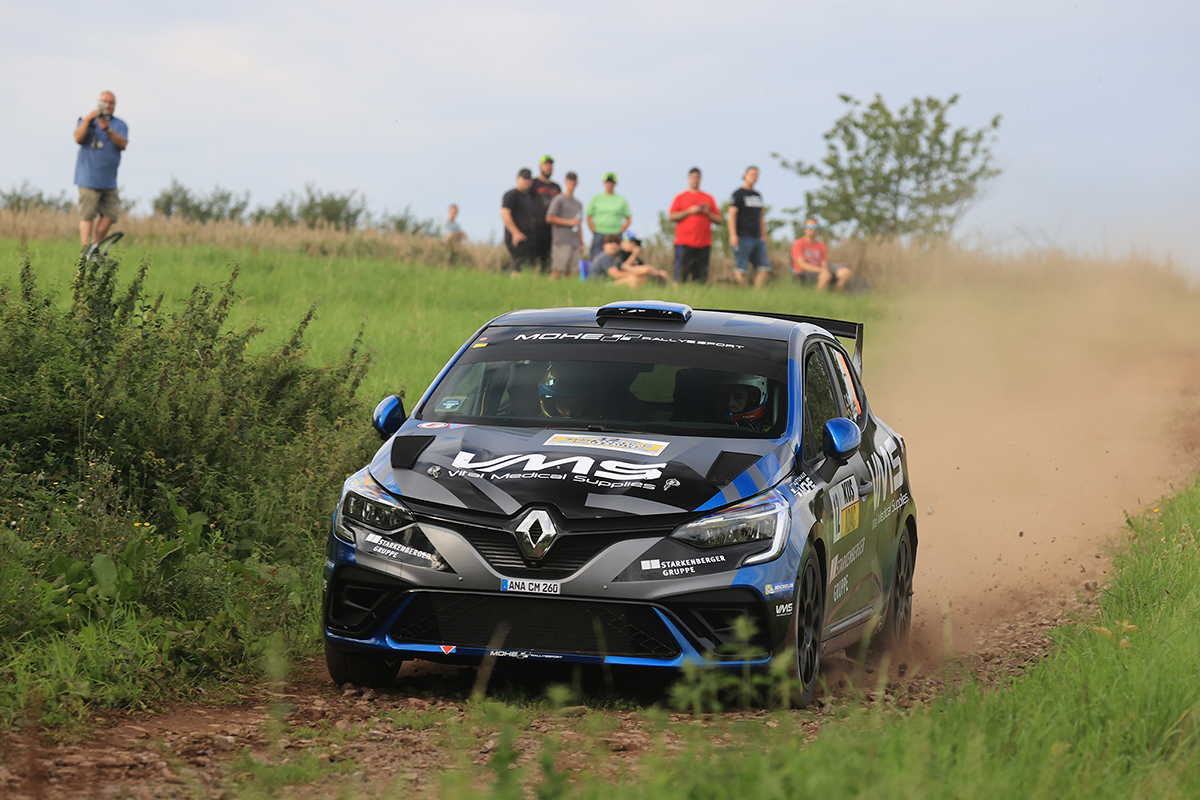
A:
(699, 322)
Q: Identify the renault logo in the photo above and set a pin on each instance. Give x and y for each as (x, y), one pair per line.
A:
(536, 533)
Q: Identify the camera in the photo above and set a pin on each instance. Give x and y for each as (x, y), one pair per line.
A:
(103, 109)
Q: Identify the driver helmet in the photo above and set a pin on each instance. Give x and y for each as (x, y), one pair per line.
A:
(566, 390)
(747, 401)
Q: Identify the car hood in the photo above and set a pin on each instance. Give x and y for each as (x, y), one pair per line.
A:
(584, 475)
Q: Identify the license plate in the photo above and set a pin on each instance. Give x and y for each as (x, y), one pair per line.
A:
(530, 587)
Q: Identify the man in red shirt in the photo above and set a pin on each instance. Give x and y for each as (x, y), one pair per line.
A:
(810, 260)
(694, 213)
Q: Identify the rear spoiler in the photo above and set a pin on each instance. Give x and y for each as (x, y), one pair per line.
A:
(838, 327)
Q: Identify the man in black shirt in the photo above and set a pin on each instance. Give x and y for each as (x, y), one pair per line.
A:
(748, 231)
(543, 192)
(517, 213)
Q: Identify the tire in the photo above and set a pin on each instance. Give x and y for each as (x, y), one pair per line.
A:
(808, 620)
(894, 636)
(361, 669)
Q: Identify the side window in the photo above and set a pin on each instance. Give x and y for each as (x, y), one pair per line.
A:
(845, 385)
(820, 403)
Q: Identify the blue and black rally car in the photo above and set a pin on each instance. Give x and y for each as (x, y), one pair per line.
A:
(619, 485)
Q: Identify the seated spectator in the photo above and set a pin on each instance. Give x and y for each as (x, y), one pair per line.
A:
(810, 261)
(451, 231)
(624, 267)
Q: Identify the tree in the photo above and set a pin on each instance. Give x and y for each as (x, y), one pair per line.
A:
(894, 173)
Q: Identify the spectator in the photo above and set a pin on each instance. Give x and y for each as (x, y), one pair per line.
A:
(694, 213)
(101, 138)
(450, 231)
(625, 271)
(543, 193)
(517, 212)
(748, 231)
(565, 217)
(607, 213)
(810, 261)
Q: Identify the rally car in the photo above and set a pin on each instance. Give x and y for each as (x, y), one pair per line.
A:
(620, 485)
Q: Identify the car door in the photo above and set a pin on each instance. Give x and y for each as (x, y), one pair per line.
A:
(850, 591)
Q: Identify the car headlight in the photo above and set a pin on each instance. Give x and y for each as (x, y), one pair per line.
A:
(764, 518)
(375, 514)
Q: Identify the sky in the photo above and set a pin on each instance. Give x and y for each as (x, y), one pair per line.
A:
(418, 105)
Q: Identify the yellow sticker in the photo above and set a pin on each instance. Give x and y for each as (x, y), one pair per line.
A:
(850, 518)
(479, 344)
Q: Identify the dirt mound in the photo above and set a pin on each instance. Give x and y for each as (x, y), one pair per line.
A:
(1037, 412)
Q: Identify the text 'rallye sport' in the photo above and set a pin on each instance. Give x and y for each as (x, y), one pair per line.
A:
(619, 485)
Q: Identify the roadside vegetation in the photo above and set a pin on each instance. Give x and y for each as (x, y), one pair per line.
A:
(173, 432)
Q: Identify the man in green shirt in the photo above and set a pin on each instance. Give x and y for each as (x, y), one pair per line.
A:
(607, 213)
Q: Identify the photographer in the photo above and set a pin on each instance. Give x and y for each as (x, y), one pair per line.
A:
(101, 138)
(694, 213)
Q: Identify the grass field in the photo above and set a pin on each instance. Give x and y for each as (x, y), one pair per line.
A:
(414, 316)
(1111, 713)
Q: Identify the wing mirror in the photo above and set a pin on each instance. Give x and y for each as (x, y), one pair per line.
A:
(840, 440)
(388, 416)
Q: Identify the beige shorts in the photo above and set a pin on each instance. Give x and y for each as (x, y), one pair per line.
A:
(563, 257)
(98, 201)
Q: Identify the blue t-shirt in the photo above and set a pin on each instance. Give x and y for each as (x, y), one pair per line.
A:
(98, 159)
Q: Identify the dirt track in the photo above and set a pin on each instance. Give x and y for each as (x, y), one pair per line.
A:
(1034, 420)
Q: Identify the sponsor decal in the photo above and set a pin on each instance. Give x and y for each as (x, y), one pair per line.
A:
(886, 472)
(803, 485)
(783, 609)
(449, 648)
(779, 588)
(563, 336)
(524, 654)
(892, 507)
(844, 497)
(535, 466)
(839, 563)
(454, 425)
(671, 568)
(840, 588)
(530, 587)
(324, 584)
(329, 563)
(479, 344)
(382, 546)
(642, 447)
(449, 404)
(432, 425)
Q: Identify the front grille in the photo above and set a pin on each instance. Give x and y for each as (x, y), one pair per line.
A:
(581, 627)
(565, 557)
(578, 543)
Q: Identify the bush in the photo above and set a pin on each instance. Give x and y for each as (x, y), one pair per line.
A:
(152, 469)
(26, 198)
(179, 201)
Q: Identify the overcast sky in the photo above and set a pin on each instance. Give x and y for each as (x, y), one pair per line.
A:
(424, 104)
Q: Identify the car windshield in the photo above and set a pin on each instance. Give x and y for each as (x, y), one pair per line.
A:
(621, 381)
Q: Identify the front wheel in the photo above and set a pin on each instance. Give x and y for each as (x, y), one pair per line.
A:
(361, 669)
(808, 619)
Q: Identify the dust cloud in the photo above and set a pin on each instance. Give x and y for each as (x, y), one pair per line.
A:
(1037, 411)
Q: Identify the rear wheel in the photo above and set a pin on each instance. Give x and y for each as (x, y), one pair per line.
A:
(361, 669)
(808, 619)
(899, 613)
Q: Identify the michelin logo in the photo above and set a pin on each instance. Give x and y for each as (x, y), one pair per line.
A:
(779, 588)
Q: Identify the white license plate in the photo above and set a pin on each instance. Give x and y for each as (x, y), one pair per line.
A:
(530, 587)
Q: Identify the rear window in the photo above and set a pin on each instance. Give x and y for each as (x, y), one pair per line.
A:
(635, 382)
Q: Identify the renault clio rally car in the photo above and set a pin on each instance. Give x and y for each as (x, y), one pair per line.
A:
(619, 485)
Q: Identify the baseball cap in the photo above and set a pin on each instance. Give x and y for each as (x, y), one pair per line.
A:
(525, 173)
(547, 159)
(610, 176)
(571, 176)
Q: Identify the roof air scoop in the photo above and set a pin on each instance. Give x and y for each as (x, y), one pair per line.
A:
(644, 309)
